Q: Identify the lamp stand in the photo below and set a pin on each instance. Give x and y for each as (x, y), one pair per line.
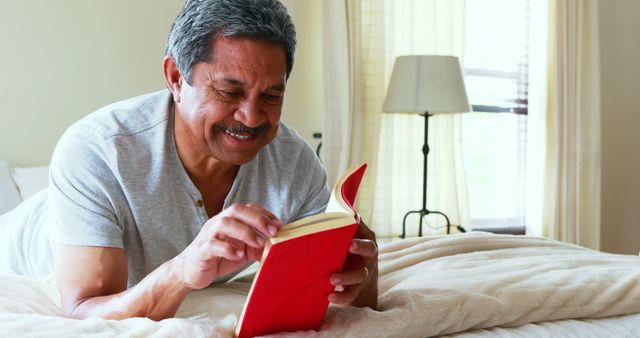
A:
(424, 211)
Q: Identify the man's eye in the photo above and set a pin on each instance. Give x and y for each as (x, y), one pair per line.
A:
(230, 94)
(272, 98)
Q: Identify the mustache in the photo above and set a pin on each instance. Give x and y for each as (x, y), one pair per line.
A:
(242, 129)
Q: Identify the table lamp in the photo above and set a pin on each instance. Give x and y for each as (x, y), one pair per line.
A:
(426, 85)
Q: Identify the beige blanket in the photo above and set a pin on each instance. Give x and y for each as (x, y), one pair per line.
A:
(428, 286)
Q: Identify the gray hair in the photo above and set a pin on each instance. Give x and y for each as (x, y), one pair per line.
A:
(201, 21)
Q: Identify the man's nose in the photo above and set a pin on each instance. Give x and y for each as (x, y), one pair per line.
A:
(250, 113)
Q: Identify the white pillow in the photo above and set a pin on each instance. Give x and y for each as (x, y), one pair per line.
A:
(30, 180)
(24, 239)
(9, 195)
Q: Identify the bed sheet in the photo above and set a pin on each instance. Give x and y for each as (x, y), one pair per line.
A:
(481, 284)
(627, 326)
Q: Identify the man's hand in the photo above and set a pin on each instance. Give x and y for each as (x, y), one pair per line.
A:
(227, 241)
(359, 279)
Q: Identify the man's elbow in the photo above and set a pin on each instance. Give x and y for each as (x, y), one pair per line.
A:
(73, 308)
(101, 306)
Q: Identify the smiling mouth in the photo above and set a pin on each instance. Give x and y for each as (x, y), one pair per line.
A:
(241, 137)
(242, 132)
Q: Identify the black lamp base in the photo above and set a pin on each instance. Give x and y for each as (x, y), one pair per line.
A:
(424, 211)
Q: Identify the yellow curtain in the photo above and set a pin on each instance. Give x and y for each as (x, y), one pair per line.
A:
(352, 120)
(572, 187)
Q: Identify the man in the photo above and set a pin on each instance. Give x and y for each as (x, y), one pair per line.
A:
(153, 197)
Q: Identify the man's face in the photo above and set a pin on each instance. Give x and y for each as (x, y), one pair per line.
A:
(233, 106)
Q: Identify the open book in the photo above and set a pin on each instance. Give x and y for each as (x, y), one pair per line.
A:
(290, 290)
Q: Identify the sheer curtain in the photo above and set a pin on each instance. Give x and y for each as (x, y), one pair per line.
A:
(361, 41)
(537, 117)
(352, 120)
(572, 190)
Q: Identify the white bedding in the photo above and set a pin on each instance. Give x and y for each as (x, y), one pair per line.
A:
(428, 286)
(9, 194)
(611, 327)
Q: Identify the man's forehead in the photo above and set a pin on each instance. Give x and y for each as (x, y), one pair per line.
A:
(239, 83)
(232, 82)
(255, 49)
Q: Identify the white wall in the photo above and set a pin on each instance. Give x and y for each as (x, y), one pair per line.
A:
(303, 105)
(62, 59)
(620, 72)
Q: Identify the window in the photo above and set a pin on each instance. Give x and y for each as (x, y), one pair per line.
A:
(495, 135)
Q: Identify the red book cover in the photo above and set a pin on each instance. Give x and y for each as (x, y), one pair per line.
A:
(290, 290)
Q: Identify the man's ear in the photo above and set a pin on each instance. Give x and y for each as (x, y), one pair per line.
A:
(173, 77)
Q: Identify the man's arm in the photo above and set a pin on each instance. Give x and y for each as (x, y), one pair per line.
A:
(93, 280)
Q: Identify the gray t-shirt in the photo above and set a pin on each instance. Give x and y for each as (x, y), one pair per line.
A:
(116, 180)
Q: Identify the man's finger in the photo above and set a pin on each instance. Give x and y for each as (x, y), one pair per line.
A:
(221, 249)
(263, 221)
(274, 219)
(364, 247)
(345, 297)
(364, 232)
(230, 227)
(351, 277)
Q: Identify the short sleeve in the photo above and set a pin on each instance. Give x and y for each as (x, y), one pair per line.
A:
(84, 193)
(309, 169)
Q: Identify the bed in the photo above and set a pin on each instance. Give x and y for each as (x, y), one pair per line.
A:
(464, 285)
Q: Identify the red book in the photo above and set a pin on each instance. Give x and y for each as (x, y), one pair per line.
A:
(290, 290)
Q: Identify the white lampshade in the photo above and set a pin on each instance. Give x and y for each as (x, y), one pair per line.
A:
(426, 83)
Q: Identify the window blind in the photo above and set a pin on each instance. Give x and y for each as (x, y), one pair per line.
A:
(496, 55)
